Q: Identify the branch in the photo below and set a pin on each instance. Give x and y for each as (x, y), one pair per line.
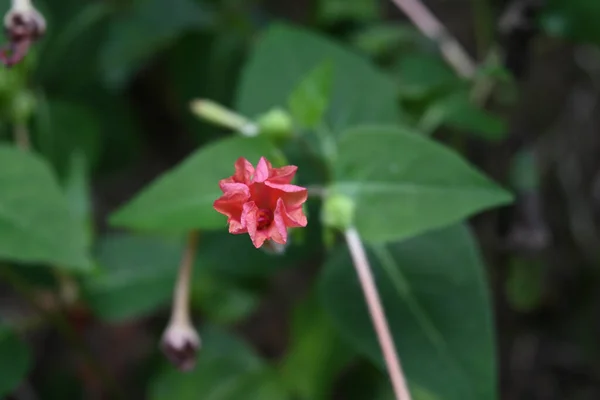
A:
(428, 24)
(365, 276)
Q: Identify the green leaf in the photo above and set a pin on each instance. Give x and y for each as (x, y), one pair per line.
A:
(36, 226)
(420, 75)
(182, 199)
(316, 355)
(385, 38)
(77, 190)
(15, 361)
(332, 11)
(524, 173)
(147, 28)
(285, 55)
(525, 284)
(458, 112)
(573, 19)
(63, 128)
(405, 184)
(222, 300)
(226, 369)
(310, 99)
(438, 308)
(136, 276)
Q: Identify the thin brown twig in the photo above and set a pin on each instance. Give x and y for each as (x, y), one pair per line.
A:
(428, 24)
(365, 276)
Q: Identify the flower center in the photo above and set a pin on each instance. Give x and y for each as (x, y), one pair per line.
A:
(264, 217)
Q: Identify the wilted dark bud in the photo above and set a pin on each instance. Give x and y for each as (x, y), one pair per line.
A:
(23, 25)
(180, 343)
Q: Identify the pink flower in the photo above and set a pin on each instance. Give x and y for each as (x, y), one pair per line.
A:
(262, 202)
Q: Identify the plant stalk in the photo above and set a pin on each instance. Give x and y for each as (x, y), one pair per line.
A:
(365, 276)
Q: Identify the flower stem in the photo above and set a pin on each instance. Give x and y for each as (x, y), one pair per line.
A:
(181, 299)
(21, 136)
(365, 276)
(451, 49)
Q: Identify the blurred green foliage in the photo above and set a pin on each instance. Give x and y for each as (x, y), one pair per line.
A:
(109, 87)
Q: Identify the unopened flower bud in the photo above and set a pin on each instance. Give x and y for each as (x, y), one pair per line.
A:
(219, 115)
(338, 211)
(180, 344)
(276, 123)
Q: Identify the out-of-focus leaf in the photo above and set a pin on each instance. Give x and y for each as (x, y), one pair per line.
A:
(145, 29)
(524, 171)
(573, 19)
(524, 284)
(36, 225)
(310, 99)
(332, 11)
(458, 112)
(63, 128)
(57, 48)
(226, 369)
(77, 190)
(385, 37)
(222, 300)
(316, 354)
(438, 308)
(405, 184)
(285, 55)
(136, 276)
(235, 257)
(420, 75)
(15, 360)
(182, 199)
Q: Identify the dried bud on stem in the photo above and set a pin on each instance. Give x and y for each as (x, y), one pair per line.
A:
(181, 342)
(23, 25)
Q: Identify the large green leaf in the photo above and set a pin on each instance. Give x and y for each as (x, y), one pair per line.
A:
(135, 277)
(436, 301)
(316, 355)
(35, 223)
(405, 184)
(226, 370)
(15, 361)
(457, 111)
(574, 19)
(64, 128)
(286, 55)
(308, 102)
(182, 199)
(145, 29)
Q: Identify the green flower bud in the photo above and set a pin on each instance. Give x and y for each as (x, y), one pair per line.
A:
(338, 211)
(276, 123)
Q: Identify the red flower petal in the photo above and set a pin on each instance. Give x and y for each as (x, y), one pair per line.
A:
(231, 204)
(283, 175)
(250, 219)
(262, 201)
(293, 218)
(243, 171)
(263, 169)
(292, 195)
